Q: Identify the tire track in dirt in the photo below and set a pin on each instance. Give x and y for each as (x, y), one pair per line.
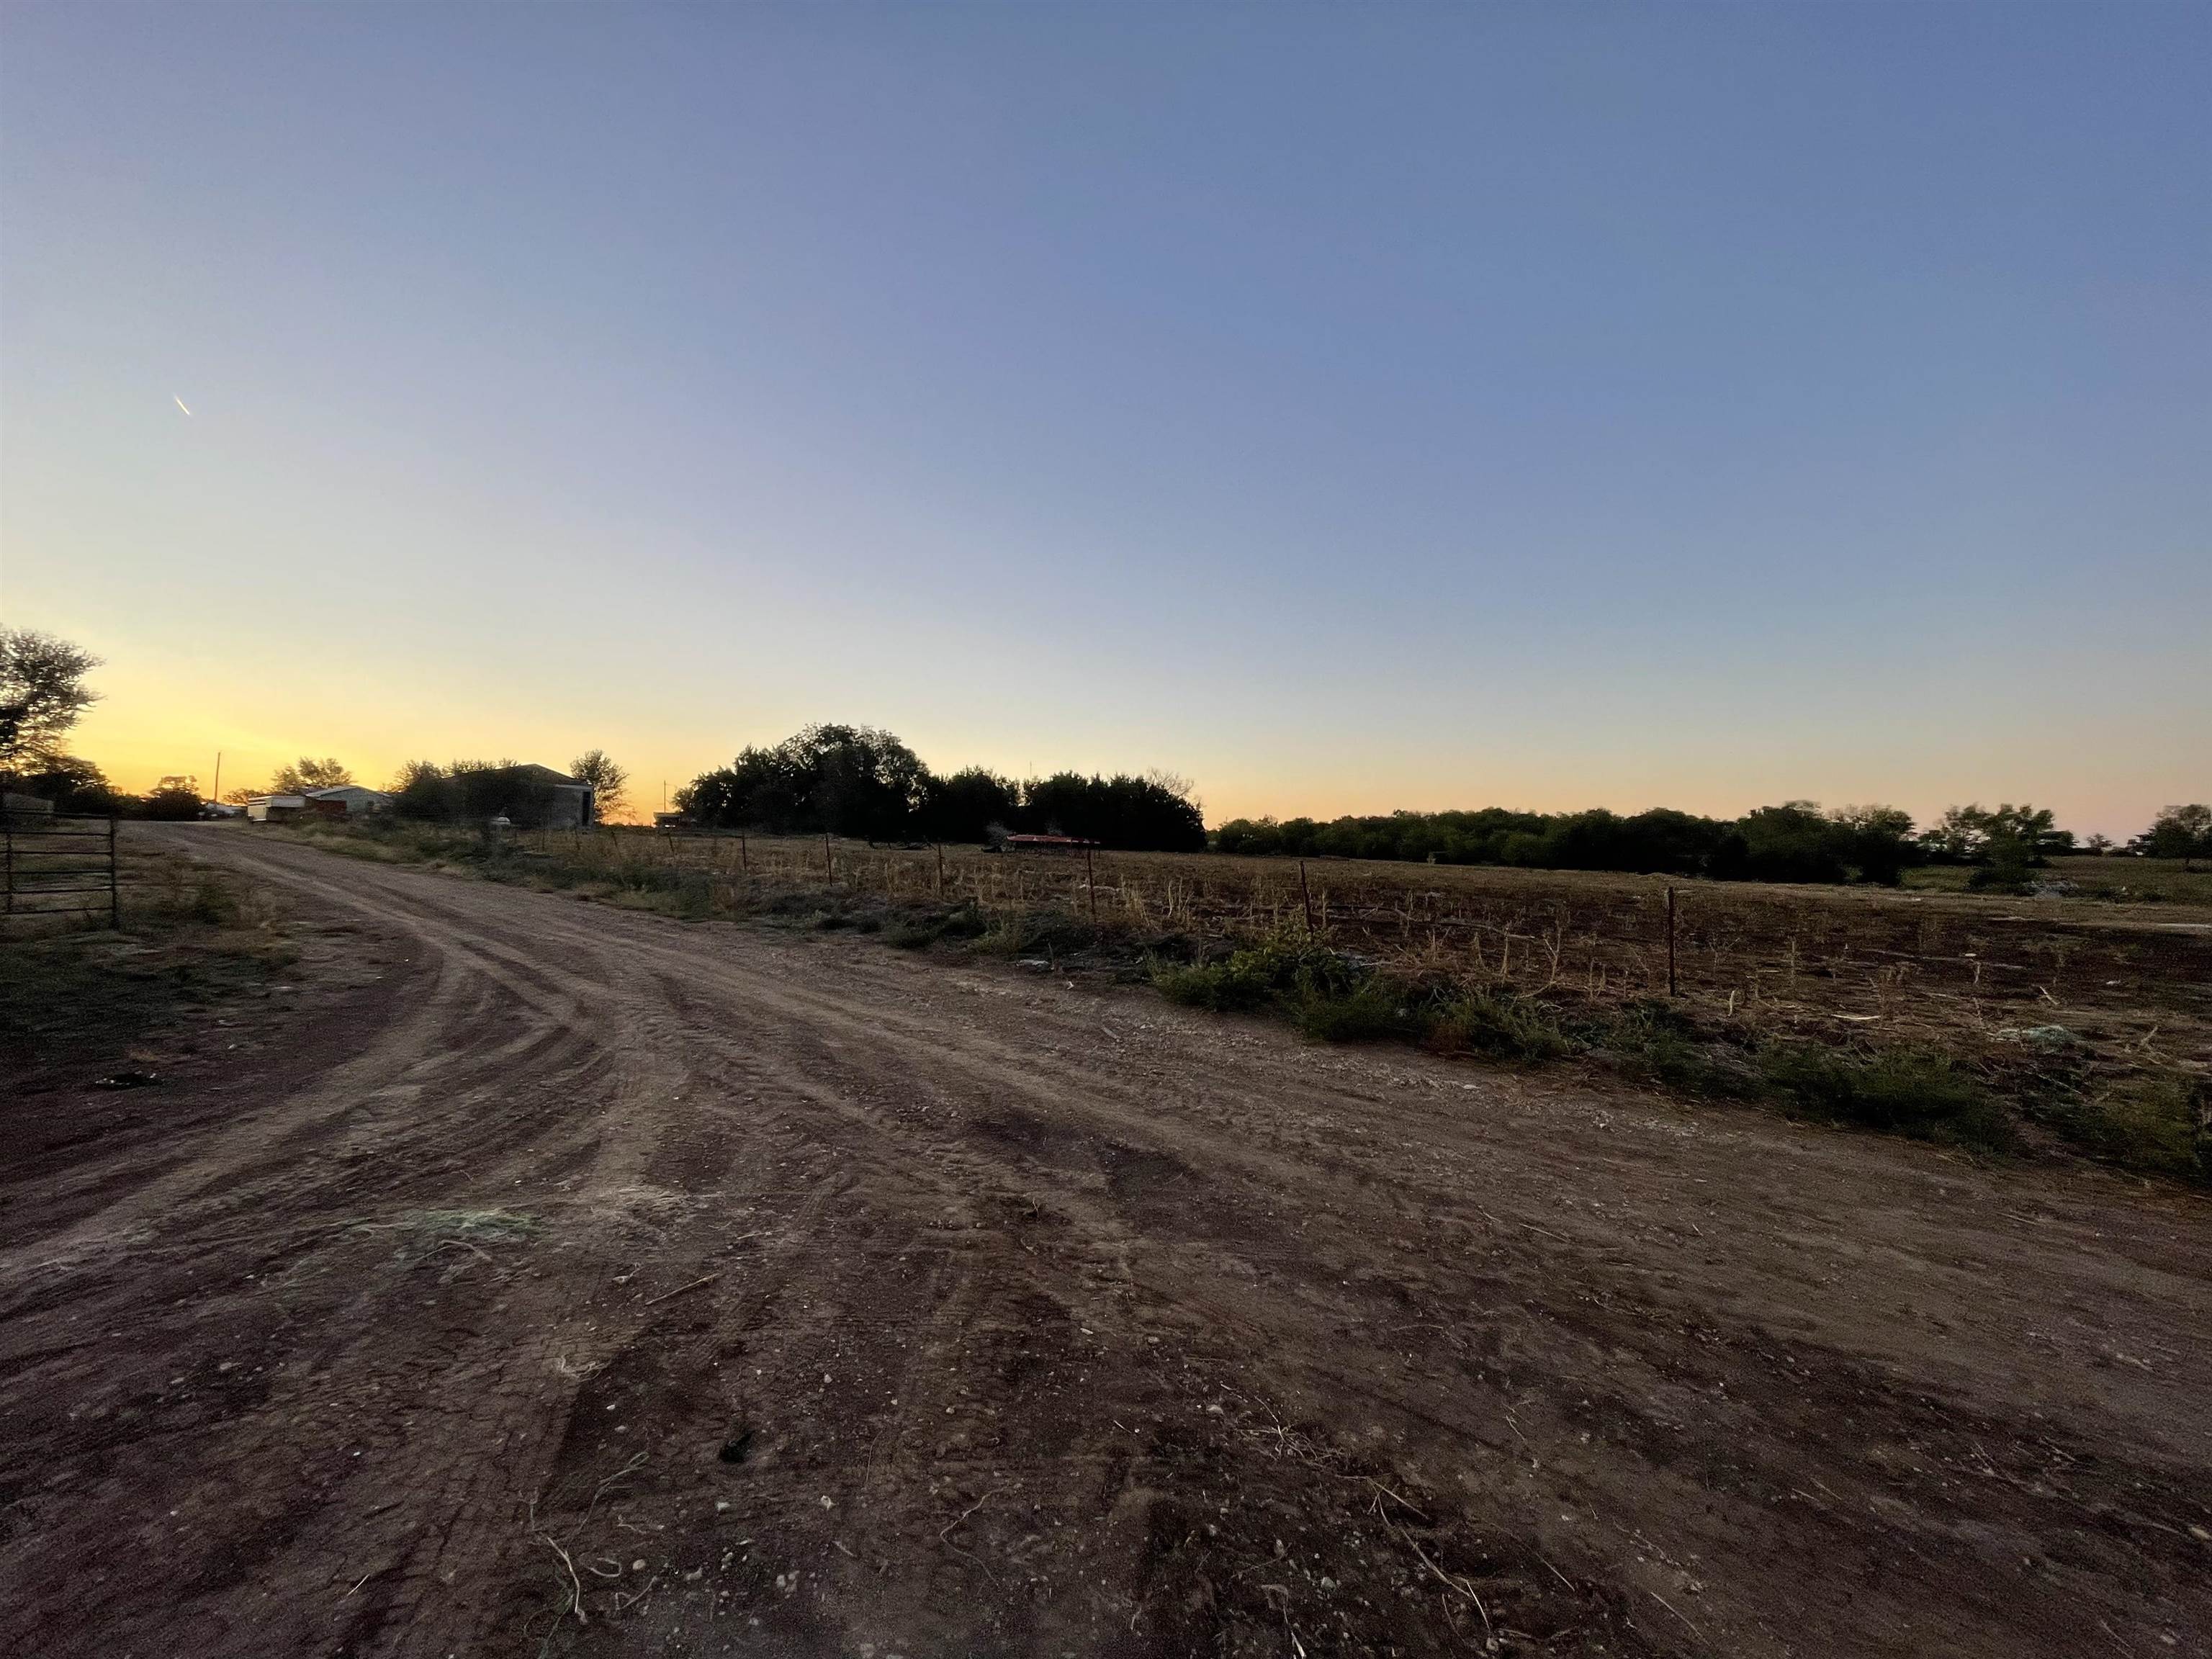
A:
(1099, 1326)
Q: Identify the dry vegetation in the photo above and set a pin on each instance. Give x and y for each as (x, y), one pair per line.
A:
(2092, 1021)
(75, 994)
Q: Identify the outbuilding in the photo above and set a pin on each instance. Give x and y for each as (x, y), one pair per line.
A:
(569, 801)
(352, 798)
(275, 809)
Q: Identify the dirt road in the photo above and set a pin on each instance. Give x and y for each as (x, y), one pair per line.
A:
(549, 1278)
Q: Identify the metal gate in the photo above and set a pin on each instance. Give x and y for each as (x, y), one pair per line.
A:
(57, 866)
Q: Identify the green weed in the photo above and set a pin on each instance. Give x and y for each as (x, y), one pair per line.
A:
(1900, 1091)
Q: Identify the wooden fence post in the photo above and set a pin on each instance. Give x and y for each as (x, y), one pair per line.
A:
(7, 829)
(1091, 884)
(1306, 894)
(745, 868)
(1670, 941)
(828, 863)
(940, 870)
(114, 883)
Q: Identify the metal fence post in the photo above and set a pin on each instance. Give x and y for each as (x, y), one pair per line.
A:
(1091, 885)
(8, 829)
(1306, 894)
(115, 884)
(1670, 941)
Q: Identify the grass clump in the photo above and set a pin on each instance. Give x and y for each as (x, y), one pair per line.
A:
(919, 932)
(1334, 998)
(1036, 933)
(1500, 1024)
(2160, 1124)
(1279, 970)
(1900, 1092)
(1658, 1040)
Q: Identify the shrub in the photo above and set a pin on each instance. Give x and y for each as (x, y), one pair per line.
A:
(1370, 1011)
(2161, 1123)
(694, 897)
(1281, 967)
(915, 933)
(1334, 998)
(1901, 1092)
(1499, 1024)
(1656, 1039)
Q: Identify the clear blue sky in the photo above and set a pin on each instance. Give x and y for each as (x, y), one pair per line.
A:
(1350, 407)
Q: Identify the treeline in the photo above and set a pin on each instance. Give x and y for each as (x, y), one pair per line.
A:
(1796, 841)
(858, 782)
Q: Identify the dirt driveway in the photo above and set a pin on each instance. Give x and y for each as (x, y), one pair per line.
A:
(551, 1278)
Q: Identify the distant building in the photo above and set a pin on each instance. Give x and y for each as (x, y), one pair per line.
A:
(13, 806)
(352, 799)
(572, 800)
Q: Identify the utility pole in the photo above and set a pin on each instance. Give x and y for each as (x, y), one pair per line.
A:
(218, 775)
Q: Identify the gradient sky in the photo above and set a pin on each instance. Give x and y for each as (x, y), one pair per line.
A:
(1350, 408)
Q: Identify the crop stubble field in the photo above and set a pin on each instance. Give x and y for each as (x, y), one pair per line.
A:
(2119, 989)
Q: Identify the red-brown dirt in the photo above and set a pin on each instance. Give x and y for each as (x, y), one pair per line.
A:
(540, 1278)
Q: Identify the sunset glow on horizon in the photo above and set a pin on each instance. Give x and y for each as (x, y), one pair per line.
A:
(1528, 408)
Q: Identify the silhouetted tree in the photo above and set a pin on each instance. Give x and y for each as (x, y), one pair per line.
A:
(2178, 832)
(610, 782)
(307, 773)
(42, 694)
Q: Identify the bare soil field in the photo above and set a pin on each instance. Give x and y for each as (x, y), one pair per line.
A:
(526, 1276)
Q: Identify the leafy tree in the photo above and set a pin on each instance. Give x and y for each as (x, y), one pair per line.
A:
(849, 779)
(308, 773)
(2178, 832)
(2026, 834)
(610, 782)
(963, 807)
(1794, 841)
(856, 781)
(42, 694)
(1121, 811)
(170, 805)
(2017, 837)
(1877, 841)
